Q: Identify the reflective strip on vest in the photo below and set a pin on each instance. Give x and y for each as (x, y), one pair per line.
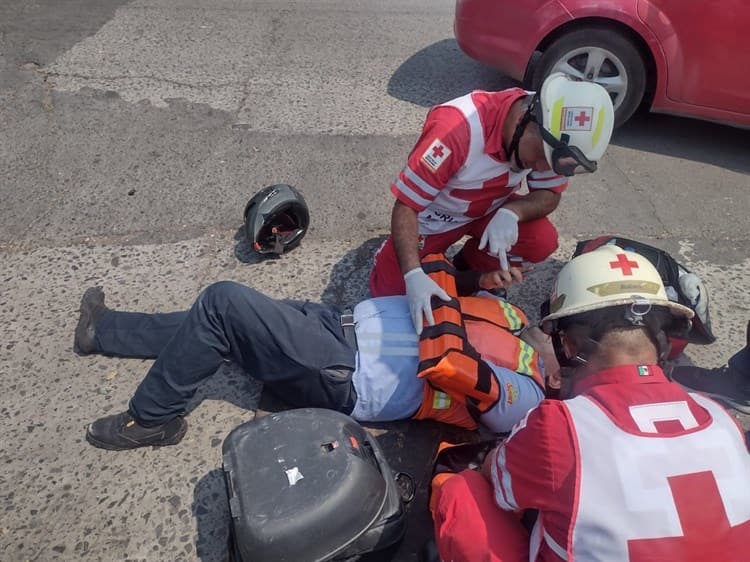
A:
(515, 322)
(441, 401)
(525, 358)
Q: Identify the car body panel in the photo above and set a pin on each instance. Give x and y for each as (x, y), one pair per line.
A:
(479, 29)
(708, 70)
(685, 39)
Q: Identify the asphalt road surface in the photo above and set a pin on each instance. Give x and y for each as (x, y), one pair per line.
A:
(132, 134)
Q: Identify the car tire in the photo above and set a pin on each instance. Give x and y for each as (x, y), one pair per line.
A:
(614, 59)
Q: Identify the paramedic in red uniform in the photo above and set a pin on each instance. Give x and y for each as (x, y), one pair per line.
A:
(464, 174)
(630, 466)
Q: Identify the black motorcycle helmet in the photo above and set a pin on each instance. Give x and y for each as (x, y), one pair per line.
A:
(276, 219)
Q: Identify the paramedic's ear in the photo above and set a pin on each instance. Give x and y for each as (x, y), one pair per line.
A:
(554, 380)
(568, 345)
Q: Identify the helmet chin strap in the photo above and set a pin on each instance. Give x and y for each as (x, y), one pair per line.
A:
(517, 134)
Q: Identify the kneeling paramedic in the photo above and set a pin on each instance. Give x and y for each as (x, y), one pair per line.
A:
(465, 174)
(628, 466)
(471, 367)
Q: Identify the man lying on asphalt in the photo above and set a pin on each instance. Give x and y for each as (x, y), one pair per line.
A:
(369, 364)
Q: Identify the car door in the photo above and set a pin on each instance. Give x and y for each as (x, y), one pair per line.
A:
(705, 43)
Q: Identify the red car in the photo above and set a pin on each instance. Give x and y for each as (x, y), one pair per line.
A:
(684, 57)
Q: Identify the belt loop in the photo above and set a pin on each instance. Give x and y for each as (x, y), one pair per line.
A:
(347, 327)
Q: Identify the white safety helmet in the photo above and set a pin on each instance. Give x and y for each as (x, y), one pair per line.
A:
(576, 122)
(606, 277)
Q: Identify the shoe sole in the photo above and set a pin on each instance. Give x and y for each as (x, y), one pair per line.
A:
(174, 440)
(83, 321)
(743, 407)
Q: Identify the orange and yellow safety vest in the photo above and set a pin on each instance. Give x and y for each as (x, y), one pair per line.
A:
(454, 353)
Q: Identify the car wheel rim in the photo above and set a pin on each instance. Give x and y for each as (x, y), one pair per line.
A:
(594, 64)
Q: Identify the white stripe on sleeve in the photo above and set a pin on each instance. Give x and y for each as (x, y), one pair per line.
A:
(536, 182)
(420, 183)
(410, 193)
(544, 175)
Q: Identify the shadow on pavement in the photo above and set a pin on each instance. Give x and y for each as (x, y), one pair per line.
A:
(211, 511)
(229, 384)
(442, 72)
(411, 446)
(535, 289)
(689, 139)
(348, 282)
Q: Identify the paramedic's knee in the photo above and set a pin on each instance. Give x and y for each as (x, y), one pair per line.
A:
(455, 493)
(385, 277)
(537, 240)
(469, 526)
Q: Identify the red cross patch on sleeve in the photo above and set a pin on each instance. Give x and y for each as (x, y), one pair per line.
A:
(436, 154)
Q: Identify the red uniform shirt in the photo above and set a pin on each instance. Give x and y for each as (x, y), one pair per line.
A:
(628, 481)
(458, 171)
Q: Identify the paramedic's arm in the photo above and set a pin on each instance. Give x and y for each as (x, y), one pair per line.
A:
(405, 236)
(532, 468)
(424, 176)
(534, 205)
(545, 189)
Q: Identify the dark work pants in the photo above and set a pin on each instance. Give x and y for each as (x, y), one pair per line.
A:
(296, 348)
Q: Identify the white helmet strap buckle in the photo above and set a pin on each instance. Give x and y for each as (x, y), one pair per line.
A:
(637, 311)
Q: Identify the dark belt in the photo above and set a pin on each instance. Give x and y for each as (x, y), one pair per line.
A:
(347, 327)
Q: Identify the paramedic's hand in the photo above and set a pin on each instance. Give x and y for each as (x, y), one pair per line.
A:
(501, 279)
(501, 233)
(419, 290)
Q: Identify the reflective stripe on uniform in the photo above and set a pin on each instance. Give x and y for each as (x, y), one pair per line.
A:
(525, 359)
(514, 320)
(503, 485)
(441, 401)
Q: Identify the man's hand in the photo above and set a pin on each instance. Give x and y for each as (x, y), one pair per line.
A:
(420, 289)
(501, 233)
(501, 279)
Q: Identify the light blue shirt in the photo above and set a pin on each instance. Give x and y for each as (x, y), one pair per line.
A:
(387, 360)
